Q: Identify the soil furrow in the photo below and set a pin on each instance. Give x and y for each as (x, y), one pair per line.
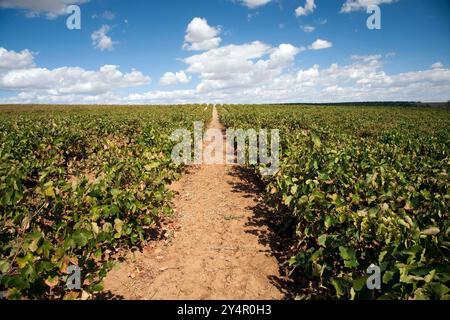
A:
(214, 249)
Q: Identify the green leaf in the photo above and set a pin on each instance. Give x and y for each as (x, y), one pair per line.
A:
(329, 222)
(97, 287)
(430, 277)
(107, 227)
(387, 277)
(382, 256)
(118, 225)
(347, 253)
(430, 231)
(23, 261)
(438, 290)
(35, 237)
(50, 192)
(322, 240)
(359, 283)
(81, 237)
(426, 194)
(4, 266)
(316, 140)
(421, 294)
(351, 263)
(340, 285)
(294, 189)
(349, 256)
(95, 228)
(411, 279)
(404, 223)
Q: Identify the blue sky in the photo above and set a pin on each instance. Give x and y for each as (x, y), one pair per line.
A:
(178, 51)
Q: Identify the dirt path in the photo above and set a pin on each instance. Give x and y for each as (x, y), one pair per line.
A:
(212, 248)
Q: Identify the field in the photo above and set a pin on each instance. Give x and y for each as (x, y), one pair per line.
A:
(357, 186)
(364, 186)
(77, 184)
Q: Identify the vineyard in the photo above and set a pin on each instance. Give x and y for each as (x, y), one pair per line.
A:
(363, 186)
(357, 186)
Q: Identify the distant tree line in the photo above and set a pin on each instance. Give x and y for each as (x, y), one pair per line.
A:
(377, 104)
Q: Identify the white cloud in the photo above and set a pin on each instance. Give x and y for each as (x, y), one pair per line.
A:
(34, 8)
(240, 66)
(33, 97)
(361, 80)
(175, 96)
(10, 60)
(320, 44)
(283, 56)
(67, 80)
(307, 9)
(308, 77)
(253, 72)
(356, 5)
(200, 36)
(254, 3)
(308, 28)
(101, 40)
(437, 65)
(170, 78)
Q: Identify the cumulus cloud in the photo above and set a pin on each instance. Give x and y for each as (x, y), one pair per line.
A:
(19, 73)
(50, 8)
(254, 3)
(362, 80)
(200, 36)
(309, 76)
(356, 5)
(309, 7)
(253, 72)
(72, 80)
(10, 60)
(170, 78)
(320, 44)
(101, 40)
(238, 66)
